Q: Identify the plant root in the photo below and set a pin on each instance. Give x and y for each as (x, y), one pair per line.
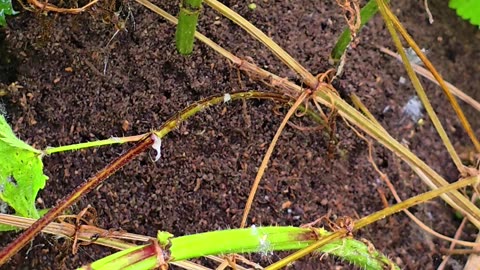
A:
(46, 7)
(344, 222)
(351, 13)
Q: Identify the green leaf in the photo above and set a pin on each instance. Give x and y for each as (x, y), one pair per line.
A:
(21, 173)
(7, 136)
(5, 9)
(467, 9)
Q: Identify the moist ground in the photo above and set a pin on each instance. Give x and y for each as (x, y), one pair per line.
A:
(204, 176)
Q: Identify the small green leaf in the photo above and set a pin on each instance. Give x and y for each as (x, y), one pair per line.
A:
(467, 9)
(5, 9)
(21, 173)
(164, 237)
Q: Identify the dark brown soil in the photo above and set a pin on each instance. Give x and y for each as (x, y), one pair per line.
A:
(146, 82)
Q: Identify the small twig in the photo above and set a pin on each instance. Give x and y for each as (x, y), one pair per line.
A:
(427, 74)
(452, 245)
(430, 17)
(267, 156)
(43, 6)
(459, 251)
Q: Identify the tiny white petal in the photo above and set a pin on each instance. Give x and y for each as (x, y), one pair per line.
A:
(227, 98)
(157, 145)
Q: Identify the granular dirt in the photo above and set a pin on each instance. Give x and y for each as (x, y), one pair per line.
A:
(208, 164)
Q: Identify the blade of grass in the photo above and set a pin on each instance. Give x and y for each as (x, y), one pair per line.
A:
(187, 23)
(474, 180)
(453, 101)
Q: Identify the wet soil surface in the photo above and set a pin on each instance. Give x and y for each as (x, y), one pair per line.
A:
(208, 164)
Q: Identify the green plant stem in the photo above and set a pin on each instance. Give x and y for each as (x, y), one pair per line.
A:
(74, 147)
(474, 180)
(262, 240)
(193, 109)
(366, 13)
(187, 24)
